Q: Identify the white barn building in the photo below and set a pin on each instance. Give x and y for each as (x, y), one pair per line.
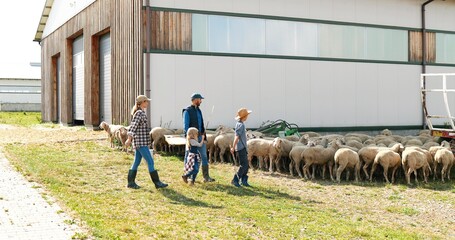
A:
(320, 64)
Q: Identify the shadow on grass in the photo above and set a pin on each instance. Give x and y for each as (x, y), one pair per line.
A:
(178, 198)
(250, 191)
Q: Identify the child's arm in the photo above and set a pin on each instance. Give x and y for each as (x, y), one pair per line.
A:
(236, 140)
(195, 143)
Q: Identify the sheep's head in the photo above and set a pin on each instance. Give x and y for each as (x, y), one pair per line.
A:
(398, 148)
(304, 139)
(277, 143)
(104, 126)
(386, 132)
(445, 144)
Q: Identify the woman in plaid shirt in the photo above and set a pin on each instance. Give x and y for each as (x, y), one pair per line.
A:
(138, 134)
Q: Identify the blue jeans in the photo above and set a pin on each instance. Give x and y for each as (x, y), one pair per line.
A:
(143, 152)
(243, 159)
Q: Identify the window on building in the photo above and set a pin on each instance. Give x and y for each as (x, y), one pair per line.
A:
(242, 35)
(445, 48)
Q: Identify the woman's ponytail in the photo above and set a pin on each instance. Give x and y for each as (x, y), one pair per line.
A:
(134, 109)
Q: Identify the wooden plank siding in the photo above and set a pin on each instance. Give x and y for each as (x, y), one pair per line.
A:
(171, 30)
(123, 19)
(415, 46)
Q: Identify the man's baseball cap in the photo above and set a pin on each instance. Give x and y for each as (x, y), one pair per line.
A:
(196, 95)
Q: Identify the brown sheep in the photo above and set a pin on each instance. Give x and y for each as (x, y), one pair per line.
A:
(387, 159)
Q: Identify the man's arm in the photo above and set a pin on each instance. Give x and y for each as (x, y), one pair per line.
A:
(186, 121)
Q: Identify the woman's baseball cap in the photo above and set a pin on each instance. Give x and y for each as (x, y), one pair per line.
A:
(142, 98)
(242, 112)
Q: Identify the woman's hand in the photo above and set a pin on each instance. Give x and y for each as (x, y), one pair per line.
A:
(128, 142)
(232, 150)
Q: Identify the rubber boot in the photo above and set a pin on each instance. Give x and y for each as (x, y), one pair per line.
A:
(131, 179)
(235, 181)
(205, 172)
(185, 178)
(245, 181)
(156, 180)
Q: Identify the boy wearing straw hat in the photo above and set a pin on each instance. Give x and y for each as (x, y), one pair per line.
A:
(240, 148)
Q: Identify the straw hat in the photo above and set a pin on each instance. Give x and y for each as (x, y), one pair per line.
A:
(142, 98)
(242, 113)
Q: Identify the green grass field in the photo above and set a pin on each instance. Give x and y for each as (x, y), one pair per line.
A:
(24, 119)
(89, 179)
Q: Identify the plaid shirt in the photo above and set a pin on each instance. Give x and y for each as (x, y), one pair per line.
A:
(139, 130)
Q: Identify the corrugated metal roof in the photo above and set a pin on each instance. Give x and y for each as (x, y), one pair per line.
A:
(43, 20)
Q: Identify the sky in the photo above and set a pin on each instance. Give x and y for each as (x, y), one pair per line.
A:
(19, 21)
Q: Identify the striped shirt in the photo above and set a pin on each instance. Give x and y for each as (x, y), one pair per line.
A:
(139, 130)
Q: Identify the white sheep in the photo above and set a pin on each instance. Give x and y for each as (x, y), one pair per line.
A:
(262, 149)
(347, 158)
(361, 136)
(320, 156)
(433, 150)
(110, 130)
(223, 144)
(158, 138)
(446, 159)
(211, 135)
(286, 146)
(367, 155)
(413, 159)
(387, 159)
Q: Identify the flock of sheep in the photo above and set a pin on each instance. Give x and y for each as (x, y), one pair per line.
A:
(312, 153)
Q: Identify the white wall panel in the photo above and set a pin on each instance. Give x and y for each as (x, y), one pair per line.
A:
(440, 15)
(321, 9)
(163, 90)
(298, 85)
(344, 95)
(322, 90)
(219, 91)
(345, 10)
(409, 101)
(308, 93)
(190, 74)
(246, 74)
(272, 90)
(249, 6)
(366, 94)
(387, 94)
